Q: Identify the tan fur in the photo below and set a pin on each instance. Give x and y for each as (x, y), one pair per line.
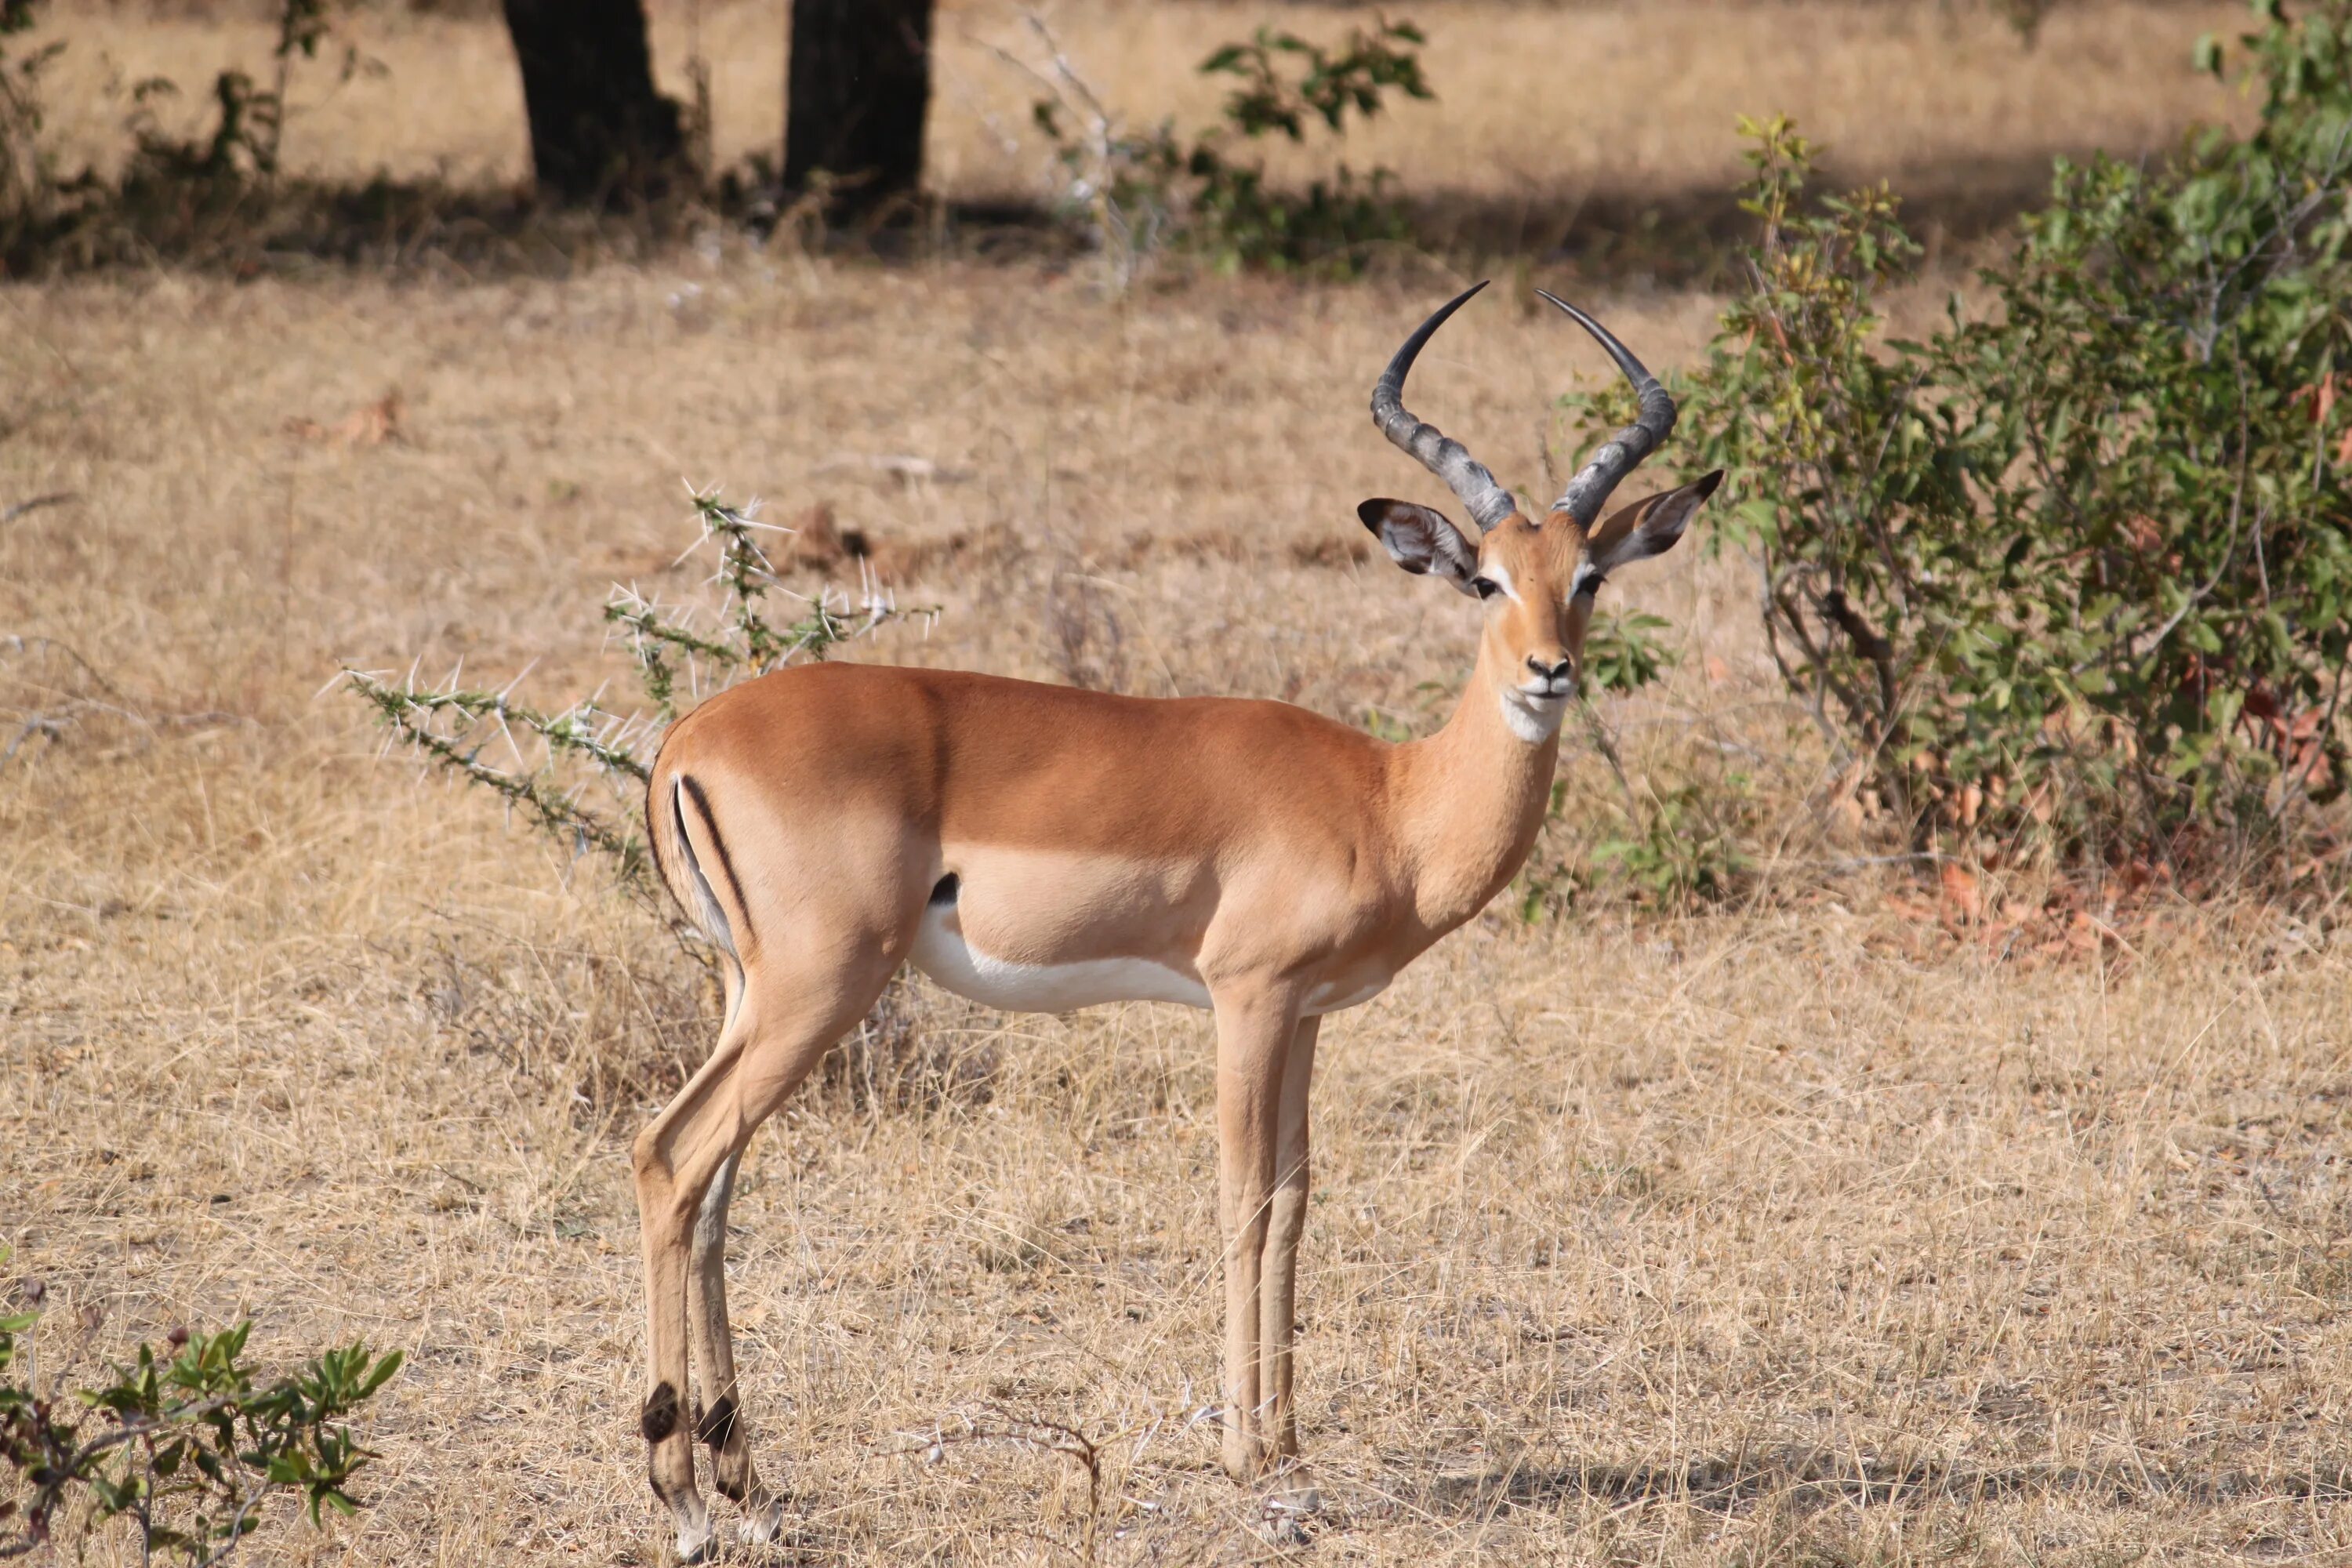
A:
(1282, 861)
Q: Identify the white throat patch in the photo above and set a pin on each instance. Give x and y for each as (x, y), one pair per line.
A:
(1533, 718)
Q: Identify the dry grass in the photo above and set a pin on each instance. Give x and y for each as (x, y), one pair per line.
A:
(1759, 1238)
(1536, 104)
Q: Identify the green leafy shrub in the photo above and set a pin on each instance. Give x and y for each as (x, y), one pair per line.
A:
(185, 1445)
(2073, 578)
(1135, 192)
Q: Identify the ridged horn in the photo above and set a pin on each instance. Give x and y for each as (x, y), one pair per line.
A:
(1589, 490)
(1467, 477)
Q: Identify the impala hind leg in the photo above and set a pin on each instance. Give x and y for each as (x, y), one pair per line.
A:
(1254, 1038)
(719, 1415)
(776, 1035)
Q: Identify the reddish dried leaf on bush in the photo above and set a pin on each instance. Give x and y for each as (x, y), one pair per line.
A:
(1961, 896)
(2321, 395)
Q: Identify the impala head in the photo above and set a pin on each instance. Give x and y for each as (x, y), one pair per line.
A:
(1536, 577)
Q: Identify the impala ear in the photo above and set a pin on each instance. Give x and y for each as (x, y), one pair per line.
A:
(1421, 541)
(1649, 527)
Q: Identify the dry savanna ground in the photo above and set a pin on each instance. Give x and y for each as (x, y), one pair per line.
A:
(1539, 108)
(1787, 1235)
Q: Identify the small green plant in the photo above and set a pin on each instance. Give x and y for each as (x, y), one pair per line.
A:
(1136, 192)
(249, 128)
(1680, 851)
(184, 1444)
(579, 771)
(171, 181)
(1673, 849)
(25, 173)
(2025, 16)
(1621, 651)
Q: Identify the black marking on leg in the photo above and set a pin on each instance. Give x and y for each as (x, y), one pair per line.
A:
(718, 1427)
(729, 1488)
(660, 1418)
(944, 890)
(726, 861)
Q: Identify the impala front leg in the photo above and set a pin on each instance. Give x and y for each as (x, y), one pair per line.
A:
(1255, 1031)
(1278, 1294)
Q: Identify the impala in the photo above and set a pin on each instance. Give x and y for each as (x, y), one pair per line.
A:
(1040, 848)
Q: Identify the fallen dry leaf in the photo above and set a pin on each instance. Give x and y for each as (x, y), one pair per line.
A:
(371, 426)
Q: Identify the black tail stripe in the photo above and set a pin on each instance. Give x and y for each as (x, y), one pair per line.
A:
(726, 861)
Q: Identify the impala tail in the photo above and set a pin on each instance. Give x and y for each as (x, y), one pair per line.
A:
(693, 861)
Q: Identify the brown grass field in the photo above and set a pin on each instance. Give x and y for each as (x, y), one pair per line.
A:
(1802, 1233)
(1537, 104)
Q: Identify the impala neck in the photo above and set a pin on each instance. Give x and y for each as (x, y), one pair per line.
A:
(1469, 800)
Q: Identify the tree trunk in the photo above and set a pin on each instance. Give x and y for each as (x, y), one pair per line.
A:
(600, 134)
(860, 80)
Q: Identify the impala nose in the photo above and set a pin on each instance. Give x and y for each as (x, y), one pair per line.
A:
(1553, 674)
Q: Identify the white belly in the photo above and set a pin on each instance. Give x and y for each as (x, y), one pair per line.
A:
(943, 954)
(1330, 998)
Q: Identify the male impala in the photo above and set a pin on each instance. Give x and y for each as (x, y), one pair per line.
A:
(1040, 848)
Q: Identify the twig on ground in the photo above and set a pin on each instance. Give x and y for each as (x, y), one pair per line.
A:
(1030, 1431)
(12, 512)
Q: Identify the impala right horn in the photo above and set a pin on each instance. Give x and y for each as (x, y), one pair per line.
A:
(1467, 477)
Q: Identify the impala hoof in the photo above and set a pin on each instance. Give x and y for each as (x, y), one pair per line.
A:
(766, 1522)
(1291, 1511)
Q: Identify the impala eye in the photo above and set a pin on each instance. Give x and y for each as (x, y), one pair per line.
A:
(1486, 587)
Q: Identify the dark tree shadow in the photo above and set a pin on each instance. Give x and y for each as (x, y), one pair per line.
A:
(1691, 236)
(1685, 237)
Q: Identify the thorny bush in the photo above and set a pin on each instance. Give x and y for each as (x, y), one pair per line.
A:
(579, 772)
(2070, 581)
